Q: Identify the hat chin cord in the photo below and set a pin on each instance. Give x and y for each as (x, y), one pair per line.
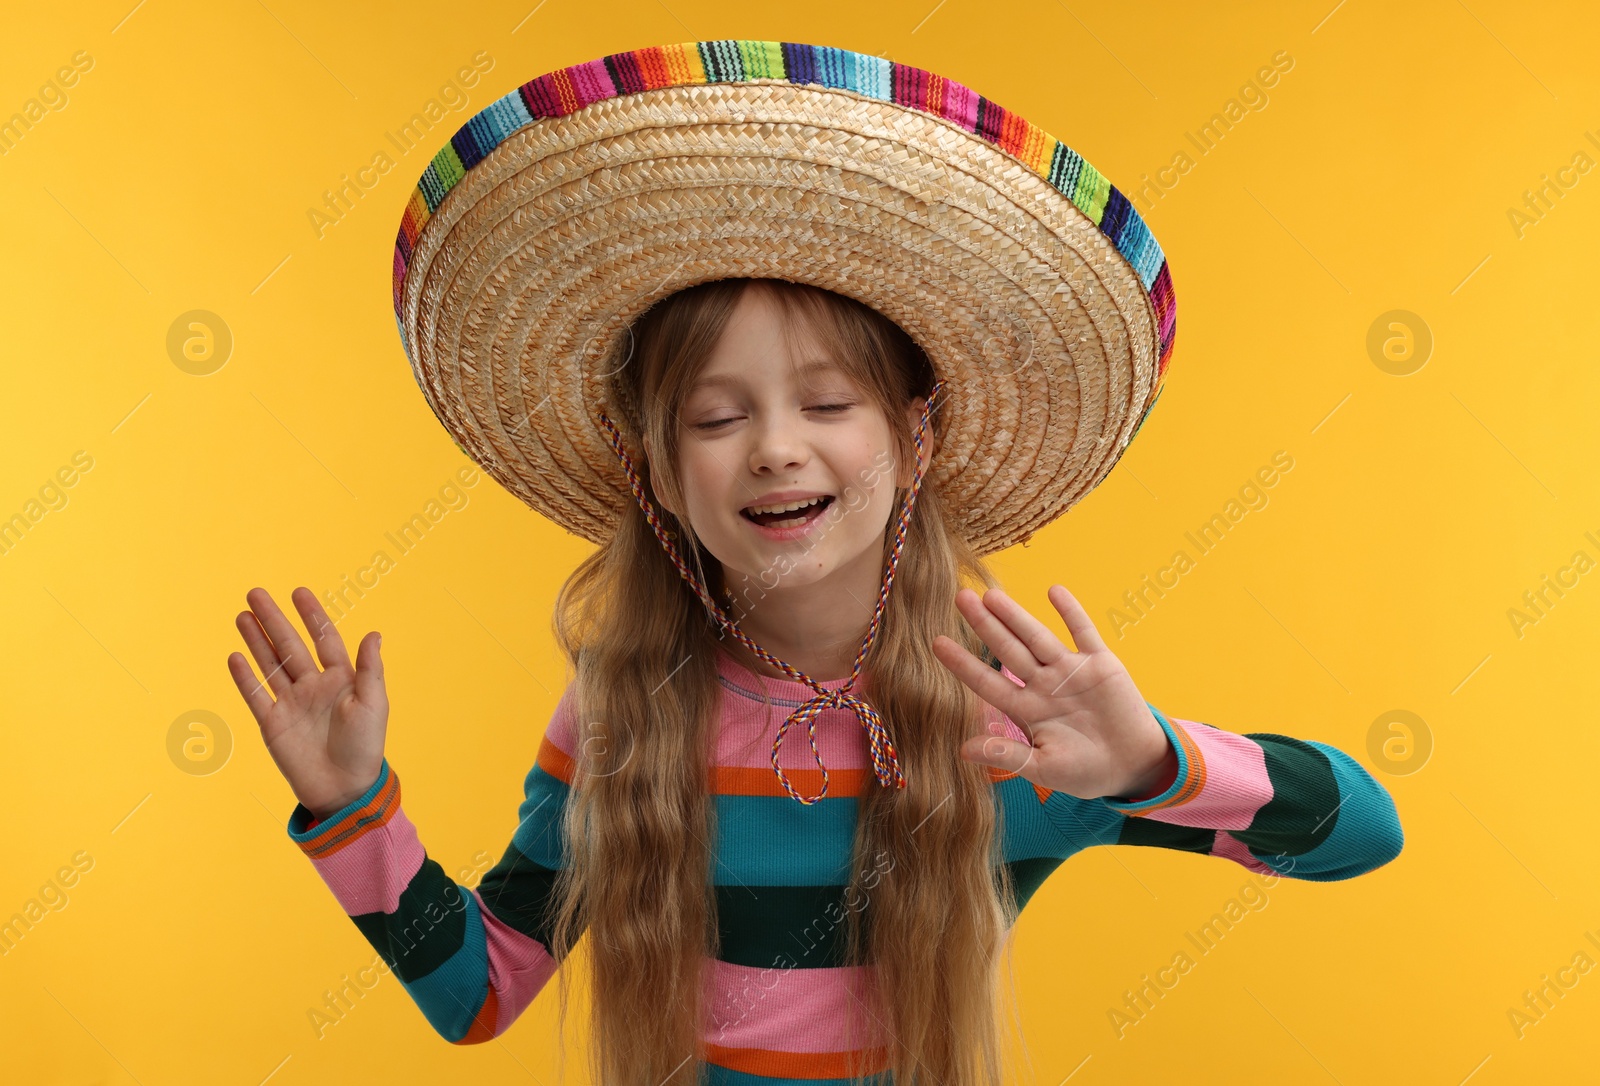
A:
(885, 760)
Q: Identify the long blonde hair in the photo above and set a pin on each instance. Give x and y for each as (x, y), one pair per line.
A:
(640, 826)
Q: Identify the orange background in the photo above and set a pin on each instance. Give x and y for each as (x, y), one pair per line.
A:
(1382, 172)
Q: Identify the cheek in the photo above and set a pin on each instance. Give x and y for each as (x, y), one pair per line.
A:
(698, 480)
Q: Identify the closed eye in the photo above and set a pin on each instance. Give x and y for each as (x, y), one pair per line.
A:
(831, 408)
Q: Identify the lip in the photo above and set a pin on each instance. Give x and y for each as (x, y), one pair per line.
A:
(779, 496)
(797, 532)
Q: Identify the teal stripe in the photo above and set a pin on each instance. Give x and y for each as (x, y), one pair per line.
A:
(433, 189)
(712, 1075)
(329, 829)
(774, 841)
(507, 114)
(1027, 830)
(1178, 783)
(1366, 831)
(722, 60)
(833, 66)
(539, 835)
(1082, 823)
(1140, 248)
(450, 996)
(873, 77)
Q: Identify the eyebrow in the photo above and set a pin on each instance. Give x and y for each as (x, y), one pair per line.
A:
(715, 380)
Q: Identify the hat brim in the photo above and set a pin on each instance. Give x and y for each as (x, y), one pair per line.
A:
(544, 251)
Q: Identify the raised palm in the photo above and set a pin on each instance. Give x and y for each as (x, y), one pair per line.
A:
(1091, 732)
(324, 727)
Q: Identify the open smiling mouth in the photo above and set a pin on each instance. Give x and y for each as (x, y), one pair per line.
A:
(790, 518)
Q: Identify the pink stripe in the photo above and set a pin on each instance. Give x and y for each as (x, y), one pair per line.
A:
(789, 1010)
(1230, 847)
(747, 728)
(519, 967)
(960, 105)
(1236, 784)
(368, 874)
(591, 81)
(562, 730)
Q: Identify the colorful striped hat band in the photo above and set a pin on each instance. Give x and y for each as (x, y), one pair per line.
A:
(885, 760)
(567, 208)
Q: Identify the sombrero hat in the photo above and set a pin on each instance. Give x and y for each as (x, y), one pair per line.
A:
(565, 209)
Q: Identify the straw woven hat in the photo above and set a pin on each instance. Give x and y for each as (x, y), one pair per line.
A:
(565, 209)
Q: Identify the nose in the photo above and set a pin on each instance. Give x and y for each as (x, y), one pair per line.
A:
(777, 444)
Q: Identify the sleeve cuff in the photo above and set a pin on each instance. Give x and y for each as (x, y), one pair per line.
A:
(1183, 787)
(372, 809)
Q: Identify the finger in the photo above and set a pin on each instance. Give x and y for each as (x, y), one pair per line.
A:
(994, 633)
(369, 670)
(1079, 625)
(255, 639)
(250, 688)
(1042, 645)
(324, 635)
(286, 642)
(984, 680)
(1004, 626)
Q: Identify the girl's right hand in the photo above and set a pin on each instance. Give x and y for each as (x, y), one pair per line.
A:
(325, 729)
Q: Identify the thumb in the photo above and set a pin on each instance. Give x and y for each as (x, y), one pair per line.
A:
(369, 670)
(993, 750)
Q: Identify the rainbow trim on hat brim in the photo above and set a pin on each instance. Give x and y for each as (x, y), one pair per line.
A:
(567, 90)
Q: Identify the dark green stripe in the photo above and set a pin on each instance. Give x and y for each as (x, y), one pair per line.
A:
(1147, 831)
(785, 927)
(1305, 799)
(426, 928)
(803, 927)
(520, 893)
(1028, 875)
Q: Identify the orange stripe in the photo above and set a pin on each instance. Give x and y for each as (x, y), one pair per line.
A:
(1013, 131)
(997, 774)
(1197, 774)
(564, 91)
(679, 70)
(555, 761)
(482, 1028)
(762, 781)
(336, 835)
(653, 67)
(415, 217)
(761, 1061)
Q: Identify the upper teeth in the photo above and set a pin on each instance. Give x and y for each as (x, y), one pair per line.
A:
(784, 507)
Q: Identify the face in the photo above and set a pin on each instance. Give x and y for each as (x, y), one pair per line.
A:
(763, 428)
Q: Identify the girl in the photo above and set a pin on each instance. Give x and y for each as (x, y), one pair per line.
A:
(744, 428)
(759, 912)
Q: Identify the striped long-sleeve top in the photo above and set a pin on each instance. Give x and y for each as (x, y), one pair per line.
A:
(778, 994)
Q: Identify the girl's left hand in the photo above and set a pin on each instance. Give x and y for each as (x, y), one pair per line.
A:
(1092, 733)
